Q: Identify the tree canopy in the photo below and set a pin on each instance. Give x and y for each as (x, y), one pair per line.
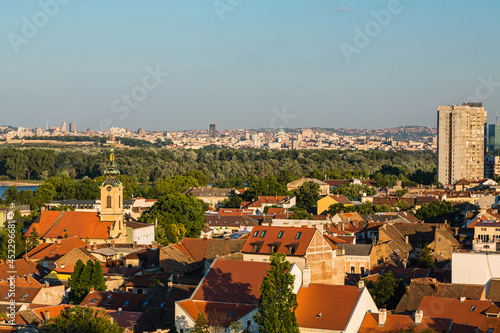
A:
(278, 302)
(81, 319)
(177, 216)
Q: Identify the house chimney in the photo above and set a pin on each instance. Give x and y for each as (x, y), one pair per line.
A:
(306, 276)
(407, 241)
(226, 236)
(58, 241)
(154, 245)
(134, 244)
(91, 289)
(361, 284)
(382, 317)
(462, 299)
(419, 315)
(94, 246)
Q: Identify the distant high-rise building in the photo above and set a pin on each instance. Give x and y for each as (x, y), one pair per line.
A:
(494, 136)
(212, 131)
(63, 127)
(461, 142)
(72, 127)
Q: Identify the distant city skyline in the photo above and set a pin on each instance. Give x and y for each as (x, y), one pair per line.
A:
(173, 65)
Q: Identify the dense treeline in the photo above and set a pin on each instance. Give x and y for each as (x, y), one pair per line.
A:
(151, 164)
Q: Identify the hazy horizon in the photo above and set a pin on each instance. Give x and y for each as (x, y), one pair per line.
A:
(176, 65)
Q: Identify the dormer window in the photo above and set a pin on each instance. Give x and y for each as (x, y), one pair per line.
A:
(263, 233)
(273, 247)
(256, 233)
(298, 235)
(472, 308)
(292, 248)
(256, 246)
(280, 235)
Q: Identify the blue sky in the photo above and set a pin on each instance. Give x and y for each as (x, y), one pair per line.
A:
(245, 64)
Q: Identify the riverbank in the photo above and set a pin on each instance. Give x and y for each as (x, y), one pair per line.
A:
(19, 183)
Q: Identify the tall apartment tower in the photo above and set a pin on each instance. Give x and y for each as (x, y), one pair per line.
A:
(63, 127)
(461, 142)
(212, 131)
(494, 136)
(72, 127)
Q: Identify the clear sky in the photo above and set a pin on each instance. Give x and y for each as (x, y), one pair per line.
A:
(245, 63)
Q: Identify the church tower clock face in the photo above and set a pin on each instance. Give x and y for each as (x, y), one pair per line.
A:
(109, 188)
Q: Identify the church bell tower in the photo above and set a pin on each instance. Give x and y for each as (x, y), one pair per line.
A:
(112, 199)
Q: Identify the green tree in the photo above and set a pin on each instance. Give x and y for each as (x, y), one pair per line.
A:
(278, 302)
(201, 325)
(439, 212)
(81, 319)
(74, 282)
(403, 205)
(386, 291)
(424, 259)
(307, 196)
(178, 215)
(234, 201)
(199, 176)
(97, 280)
(300, 214)
(339, 207)
(33, 239)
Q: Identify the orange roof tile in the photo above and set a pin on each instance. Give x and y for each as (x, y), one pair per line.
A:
(468, 312)
(79, 224)
(335, 303)
(232, 282)
(263, 237)
(54, 251)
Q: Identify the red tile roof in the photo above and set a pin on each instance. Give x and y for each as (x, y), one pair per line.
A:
(54, 251)
(234, 212)
(395, 323)
(262, 238)
(334, 303)
(232, 282)
(79, 224)
(217, 314)
(468, 312)
(23, 267)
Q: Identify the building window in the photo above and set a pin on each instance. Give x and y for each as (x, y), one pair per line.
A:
(108, 202)
(298, 235)
(362, 268)
(472, 308)
(353, 270)
(280, 235)
(263, 233)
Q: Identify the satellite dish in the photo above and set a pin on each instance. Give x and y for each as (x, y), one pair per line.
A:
(10, 215)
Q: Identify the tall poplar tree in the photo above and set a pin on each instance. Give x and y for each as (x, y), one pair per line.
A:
(278, 302)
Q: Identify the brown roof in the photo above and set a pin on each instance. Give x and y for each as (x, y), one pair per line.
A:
(494, 290)
(265, 237)
(54, 251)
(335, 303)
(111, 300)
(146, 281)
(199, 248)
(418, 289)
(51, 224)
(23, 267)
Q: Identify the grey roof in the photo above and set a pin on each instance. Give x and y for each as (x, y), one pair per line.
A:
(356, 249)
